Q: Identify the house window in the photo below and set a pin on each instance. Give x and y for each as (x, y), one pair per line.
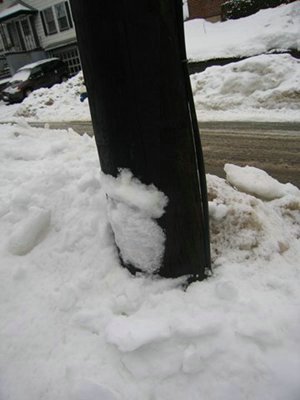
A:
(49, 21)
(5, 37)
(15, 37)
(28, 34)
(25, 27)
(57, 17)
(62, 17)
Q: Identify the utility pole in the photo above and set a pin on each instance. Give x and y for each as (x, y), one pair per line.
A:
(135, 70)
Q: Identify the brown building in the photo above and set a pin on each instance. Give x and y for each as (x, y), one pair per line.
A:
(208, 9)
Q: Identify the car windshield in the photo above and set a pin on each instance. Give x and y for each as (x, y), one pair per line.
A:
(21, 75)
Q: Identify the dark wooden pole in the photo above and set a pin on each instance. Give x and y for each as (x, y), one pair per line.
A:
(133, 60)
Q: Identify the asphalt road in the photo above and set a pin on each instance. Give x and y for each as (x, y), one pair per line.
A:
(273, 147)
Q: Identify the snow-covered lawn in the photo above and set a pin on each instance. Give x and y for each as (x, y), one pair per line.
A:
(271, 29)
(76, 325)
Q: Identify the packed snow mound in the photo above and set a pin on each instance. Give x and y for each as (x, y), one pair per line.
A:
(132, 210)
(271, 29)
(262, 84)
(76, 325)
(257, 182)
(50, 104)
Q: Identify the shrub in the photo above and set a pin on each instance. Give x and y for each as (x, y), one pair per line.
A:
(234, 9)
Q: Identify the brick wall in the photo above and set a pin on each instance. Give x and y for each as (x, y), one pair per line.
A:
(204, 8)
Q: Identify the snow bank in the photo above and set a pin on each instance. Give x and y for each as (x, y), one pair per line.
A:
(76, 325)
(59, 103)
(257, 226)
(275, 28)
(261, 87)
(264, 87)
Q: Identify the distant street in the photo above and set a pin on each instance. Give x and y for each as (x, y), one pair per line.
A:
(273, 147)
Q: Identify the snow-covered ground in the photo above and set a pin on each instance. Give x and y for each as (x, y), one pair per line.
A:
(59, 103)
(76, 325)
(267, 30)
(261, 88)
(265, 87)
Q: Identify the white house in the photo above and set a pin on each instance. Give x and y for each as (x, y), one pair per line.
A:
(36, 29)
(31, 30)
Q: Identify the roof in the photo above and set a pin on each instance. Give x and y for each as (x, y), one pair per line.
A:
(15, 10)
(5, 80)
(37, 63)
(61, 43)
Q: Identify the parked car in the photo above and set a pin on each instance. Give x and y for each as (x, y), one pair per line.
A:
(3, 84)
(44, 73)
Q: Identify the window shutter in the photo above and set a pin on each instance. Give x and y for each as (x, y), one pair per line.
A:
(44, 23)
(69, 14)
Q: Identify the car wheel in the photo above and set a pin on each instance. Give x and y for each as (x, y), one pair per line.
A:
(64, 78)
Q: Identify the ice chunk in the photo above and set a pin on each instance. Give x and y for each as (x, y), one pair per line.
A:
(257, 182)
(217, 211)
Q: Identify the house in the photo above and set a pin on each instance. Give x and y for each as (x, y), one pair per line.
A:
(31, 30)
(36, 29)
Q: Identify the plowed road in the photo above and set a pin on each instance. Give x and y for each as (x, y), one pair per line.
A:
(274, 147)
